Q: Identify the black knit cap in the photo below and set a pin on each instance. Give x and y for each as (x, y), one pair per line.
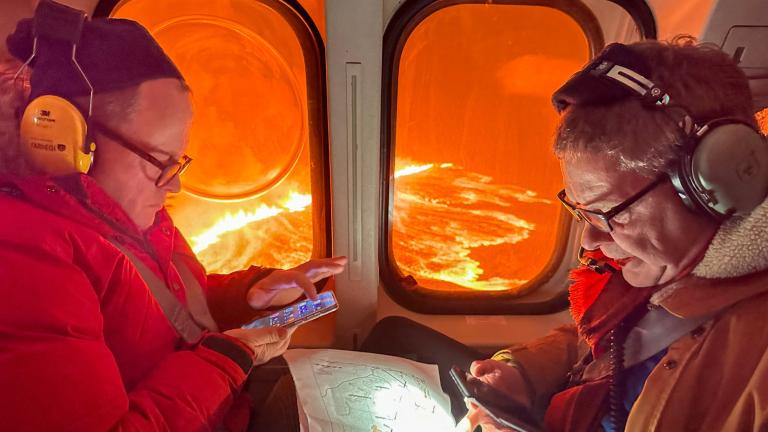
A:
(115, 54)
(589, 87)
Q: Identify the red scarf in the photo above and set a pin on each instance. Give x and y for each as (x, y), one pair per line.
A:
(599, 302)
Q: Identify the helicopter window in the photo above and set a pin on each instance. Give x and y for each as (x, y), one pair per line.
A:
(471, 219)
(256, 69)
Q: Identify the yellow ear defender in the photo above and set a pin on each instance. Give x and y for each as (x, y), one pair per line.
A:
(53, 131)
(54, 136)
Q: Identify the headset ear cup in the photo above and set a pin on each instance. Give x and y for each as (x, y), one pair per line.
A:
(53, 136)
(83, 161)
(680, 175)
(86, 154)
(727, 174)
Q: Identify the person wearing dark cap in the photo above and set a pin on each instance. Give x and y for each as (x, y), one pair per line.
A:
(662, 160)
(107, 320)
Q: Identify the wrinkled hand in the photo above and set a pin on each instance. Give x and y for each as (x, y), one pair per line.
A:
(504, 378)
(283, 287)
(266, 343)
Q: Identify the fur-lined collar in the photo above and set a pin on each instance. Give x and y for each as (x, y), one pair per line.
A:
(739, 249)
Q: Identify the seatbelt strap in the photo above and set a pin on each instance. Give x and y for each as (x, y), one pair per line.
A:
(188, 323)
(657, 330)
(196, 300)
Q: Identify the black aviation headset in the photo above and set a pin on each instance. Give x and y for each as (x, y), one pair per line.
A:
(53, 131)
(722, 167)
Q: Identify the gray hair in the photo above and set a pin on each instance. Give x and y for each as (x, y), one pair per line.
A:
(113, 107)
(701, 78)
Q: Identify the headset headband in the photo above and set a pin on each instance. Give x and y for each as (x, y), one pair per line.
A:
(56, 29)
(722, 165)
(628, 74)
(58, 22)
(619, 73)
(115, 54)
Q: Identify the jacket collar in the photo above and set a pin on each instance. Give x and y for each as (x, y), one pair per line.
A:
(158, 238)
(740, 247)
(79, 198)
(67, 197)
(695, 296)
(91, 196)
(734, 268)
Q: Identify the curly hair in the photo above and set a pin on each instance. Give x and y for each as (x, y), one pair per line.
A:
(13, 97)
(699, 77)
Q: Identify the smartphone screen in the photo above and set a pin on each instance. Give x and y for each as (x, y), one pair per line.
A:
(298, 313)
(507, 413)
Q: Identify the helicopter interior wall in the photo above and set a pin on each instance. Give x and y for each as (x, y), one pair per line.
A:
(676, 17)
(740, 28)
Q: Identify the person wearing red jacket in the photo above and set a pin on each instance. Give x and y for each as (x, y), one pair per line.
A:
(107, 319)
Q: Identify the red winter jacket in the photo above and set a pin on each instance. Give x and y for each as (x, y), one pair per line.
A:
(84, 346)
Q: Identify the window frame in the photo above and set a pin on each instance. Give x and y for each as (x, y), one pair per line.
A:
(313, 47)
(404, 289)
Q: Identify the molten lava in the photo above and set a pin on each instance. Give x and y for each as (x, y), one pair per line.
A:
(451, 228)
(454, 227)
(277, 236)
(234, 222)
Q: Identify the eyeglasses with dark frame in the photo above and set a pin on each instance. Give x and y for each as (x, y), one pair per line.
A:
(601, 220)
(168, 170)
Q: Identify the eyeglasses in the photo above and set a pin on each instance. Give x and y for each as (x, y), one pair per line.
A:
(169, 169)
(601, 220)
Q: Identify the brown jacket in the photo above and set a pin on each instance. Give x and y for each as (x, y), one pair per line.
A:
(713, 379)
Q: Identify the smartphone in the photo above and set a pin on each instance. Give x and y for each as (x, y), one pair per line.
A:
(505, 411)
(298, 313)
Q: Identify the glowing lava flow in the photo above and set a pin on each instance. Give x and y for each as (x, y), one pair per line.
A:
(296, 202)
(451, 228)
(234, 222)
(413, 169)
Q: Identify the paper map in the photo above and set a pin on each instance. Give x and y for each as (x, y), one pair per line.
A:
(349, 391)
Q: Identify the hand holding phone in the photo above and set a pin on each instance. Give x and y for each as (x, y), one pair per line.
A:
(282, 287)
(500, 407)
(266, 343)
(298, 313)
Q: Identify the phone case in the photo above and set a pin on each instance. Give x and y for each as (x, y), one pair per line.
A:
(511, 414)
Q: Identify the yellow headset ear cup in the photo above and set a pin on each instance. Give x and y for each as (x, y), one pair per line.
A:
(83, 160)
(53, 134)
